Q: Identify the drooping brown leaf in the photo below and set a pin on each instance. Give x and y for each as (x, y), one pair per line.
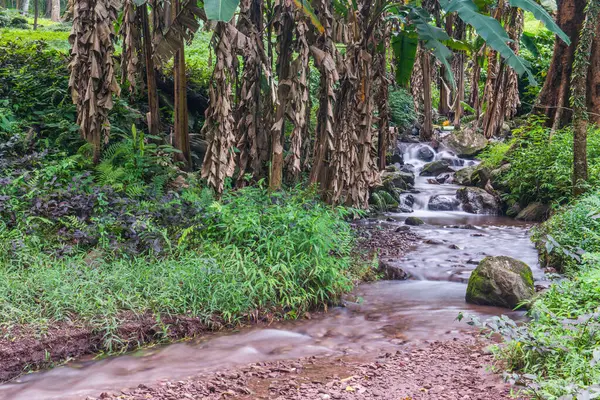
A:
(92, 81)
(180, 30)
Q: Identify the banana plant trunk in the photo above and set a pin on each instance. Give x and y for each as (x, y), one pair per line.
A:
(285, 37)
(181, 138)
(427, 129)
(153, 118)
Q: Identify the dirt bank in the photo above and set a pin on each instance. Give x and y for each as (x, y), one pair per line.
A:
(452, 370)
(24, 349)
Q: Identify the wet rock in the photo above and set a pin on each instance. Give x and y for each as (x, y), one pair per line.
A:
(536, 212)
(403, 228)
(392, 271)
(466, 142)
(463, 176)
(477, 201)
(433, 241)
(432, 181)
(414, 221)
(435, 168)
(444, 178)
(403, 208)
(390, 219)
(409, 200)
(500, 281)
(398, 179)
(454, 247)
(408, 168)
(513, 210)
(440, 202)
(396, 158)
(425, 153)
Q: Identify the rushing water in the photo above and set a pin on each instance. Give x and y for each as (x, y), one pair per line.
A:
(376, 316)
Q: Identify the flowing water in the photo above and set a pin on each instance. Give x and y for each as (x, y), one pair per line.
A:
(376, 316)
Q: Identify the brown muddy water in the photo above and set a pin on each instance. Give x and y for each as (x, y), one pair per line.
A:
(375, 317)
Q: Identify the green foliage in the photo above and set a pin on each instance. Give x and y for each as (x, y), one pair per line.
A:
(220, 10)
(490, 30)
(540, 166)
(537, 50)
(494, 154)
(573, 231)
(251, 253)
(542, 15)
(402, 109)
(404, 45)
(556, 354)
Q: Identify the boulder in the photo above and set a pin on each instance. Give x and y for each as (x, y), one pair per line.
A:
(466, 142)
(425, 154)
(396, 158)
(392, 271)
(500, 281)
(464, 175)
(440, 202)
(445, 177)
(536, 212)
(477, 201)
(513, 210)
(409, 200)
(435, 168)
(414, 221)
(398, 179)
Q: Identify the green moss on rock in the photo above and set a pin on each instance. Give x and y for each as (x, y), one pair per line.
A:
(500, 281)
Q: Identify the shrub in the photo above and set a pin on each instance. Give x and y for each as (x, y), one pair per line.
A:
(540, 165)
(402, 108)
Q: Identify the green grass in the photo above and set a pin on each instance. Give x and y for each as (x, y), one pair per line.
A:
(255, 253)
(56, 40)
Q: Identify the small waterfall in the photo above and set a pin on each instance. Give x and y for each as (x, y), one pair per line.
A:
(415, 157)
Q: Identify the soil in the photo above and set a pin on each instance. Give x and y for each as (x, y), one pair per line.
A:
(451, 370)
(26, 348)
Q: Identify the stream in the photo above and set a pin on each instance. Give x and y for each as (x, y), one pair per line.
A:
(376, 316)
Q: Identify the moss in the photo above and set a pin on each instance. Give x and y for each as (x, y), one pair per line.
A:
(527, 276)
(476, 288)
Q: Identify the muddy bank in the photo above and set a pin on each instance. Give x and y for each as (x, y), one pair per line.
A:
(24, 349)
(452, 369)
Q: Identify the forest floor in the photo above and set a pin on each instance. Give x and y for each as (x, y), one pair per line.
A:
(457, 369)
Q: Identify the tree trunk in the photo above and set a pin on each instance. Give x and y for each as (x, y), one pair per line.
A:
(36, 13)
(580, 72)
(48, 9)
(25, 6)
(285, 36)
(445, 91)
(153, 116)
(460, 89)
(427, 129)
(181, 138)
(556, 91)
(55, 13)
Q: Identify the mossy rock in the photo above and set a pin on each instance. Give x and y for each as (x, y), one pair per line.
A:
(435, 168)
(466, 142)
(536, 212)
(414, 221)
(500, 281)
